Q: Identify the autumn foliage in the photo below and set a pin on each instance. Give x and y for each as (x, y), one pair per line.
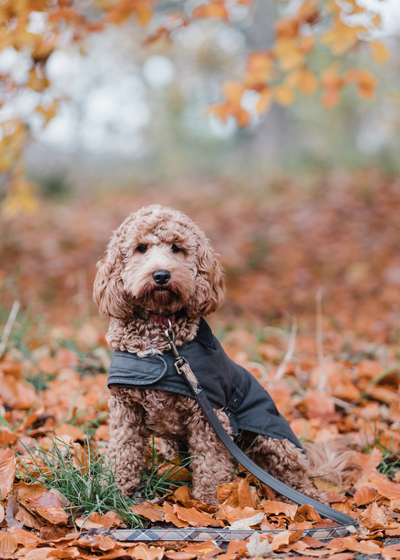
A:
(53, 396)
(278, 74)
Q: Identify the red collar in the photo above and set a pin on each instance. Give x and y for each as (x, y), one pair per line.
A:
(157, 319)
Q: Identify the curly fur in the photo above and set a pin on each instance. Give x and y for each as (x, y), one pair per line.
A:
(123, 285)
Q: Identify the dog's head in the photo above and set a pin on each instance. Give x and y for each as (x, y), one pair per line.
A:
(158, 260)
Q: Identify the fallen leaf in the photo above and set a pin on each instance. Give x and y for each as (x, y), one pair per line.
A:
(257, 548)
(11, 512)
(280, 539)
(207, 548)
(309, 513)
(8, 543)
(55, 515)
(171, 517)
(149, 510)
(182, 494)
(7, 472)
(246, 496)
(365, 496)
(247, 523)
(143, 552)
(196, 518)
(276, 508)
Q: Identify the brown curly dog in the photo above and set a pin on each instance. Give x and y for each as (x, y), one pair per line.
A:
(159, 263)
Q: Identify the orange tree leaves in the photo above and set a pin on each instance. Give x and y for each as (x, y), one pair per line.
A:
(276, 75)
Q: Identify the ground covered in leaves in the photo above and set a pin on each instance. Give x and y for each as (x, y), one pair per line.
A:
(312, 311)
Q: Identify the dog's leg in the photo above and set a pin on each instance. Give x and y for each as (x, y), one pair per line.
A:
(127, 445)
(287, 463)
(212, 464)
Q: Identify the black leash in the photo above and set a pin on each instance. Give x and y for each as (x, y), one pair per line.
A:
(183, 368)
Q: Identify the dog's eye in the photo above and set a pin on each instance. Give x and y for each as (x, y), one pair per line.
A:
(176, 249)
(142, 248)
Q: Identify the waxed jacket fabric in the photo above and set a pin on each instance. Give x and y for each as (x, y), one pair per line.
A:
(228, 386)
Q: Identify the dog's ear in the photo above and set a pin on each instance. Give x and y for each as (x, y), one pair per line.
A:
(108, 288)
(210, 287)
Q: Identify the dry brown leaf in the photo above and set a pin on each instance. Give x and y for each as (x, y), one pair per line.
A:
(143, 552)
(275, 508)
(365, 496)
(109, 519)
(224, 491)
(74, 432)
(7, 472)
(149, 510)
(55, 515)
(309, 513)
(26, 538)
(26, 518)
(237, 547)
(97, 542)
(180, 555)
(182, 494)
(246, 496)
(387, 489)
(207, 548)
(280, 540)
(247, 523)
(8, 543)
(196, 518)
(171, 517)
(374, 516)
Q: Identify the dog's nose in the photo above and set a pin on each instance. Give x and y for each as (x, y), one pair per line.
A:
(161, 277)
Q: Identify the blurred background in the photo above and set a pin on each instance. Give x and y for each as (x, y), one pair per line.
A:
(303, 201)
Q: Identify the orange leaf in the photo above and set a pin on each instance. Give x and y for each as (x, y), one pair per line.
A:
(233, 92)
(246, 496)
(309, 513)
(7, 472)
(8, 543)
(306, 81)
(207, 548)
(148, 510)
(214, 9)
(264, 103)
(374, 516)
(171, 517)
(284, 95)
(365, 496)
(182, 494)
(55, 515)
(143, 552)
(224, 491)
(179, 555)
(26, 538)
(237, 546)
(369, 462)
(143, 13)
(380, 52)
(280, 539)
(109, 519)
(275, 508)
(196, 518)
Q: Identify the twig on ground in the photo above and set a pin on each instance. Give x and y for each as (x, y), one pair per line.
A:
(290, 351)
(323, 376)
(9, 325)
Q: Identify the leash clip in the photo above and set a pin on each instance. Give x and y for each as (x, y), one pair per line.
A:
(169, 333)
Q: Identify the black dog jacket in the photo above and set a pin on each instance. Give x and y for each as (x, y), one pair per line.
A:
(227, 385)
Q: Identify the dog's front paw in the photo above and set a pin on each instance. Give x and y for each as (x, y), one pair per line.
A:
(128, 486)
(207, 495)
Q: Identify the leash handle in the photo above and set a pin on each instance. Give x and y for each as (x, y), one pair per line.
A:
(183, 368)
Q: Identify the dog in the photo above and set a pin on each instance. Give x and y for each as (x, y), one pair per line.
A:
(159, 269)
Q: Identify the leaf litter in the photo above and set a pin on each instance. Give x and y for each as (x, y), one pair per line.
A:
(55, 476)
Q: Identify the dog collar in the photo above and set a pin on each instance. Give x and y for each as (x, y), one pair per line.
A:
(157, 319)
